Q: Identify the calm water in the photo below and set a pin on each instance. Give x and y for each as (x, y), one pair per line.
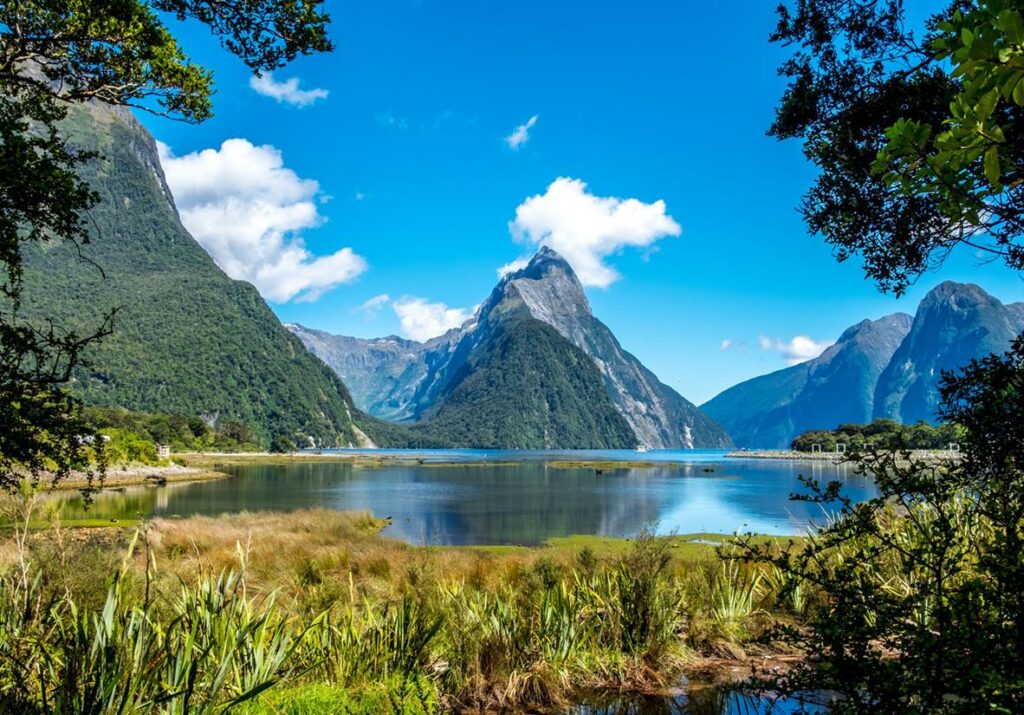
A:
(721, 700)
(474, 502)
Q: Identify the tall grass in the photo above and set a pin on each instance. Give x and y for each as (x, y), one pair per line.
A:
(526, 633)
(736, 591)
(208, 648)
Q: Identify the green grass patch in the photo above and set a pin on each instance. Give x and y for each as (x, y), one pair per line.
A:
(398, 697)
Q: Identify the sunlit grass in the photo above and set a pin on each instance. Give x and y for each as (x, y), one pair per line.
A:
(289, 612)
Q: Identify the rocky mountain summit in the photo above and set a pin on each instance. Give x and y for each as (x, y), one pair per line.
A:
(396, 379)
(954, 323)
(834, 388)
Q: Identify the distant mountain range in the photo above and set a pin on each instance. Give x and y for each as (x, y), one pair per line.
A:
(467, 386)
(884, 368)
(533, 368)
(187, 338)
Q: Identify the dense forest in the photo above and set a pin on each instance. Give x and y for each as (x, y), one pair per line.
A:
(880, 434)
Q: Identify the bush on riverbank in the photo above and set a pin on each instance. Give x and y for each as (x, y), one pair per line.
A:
(880, 434)
(920, 602)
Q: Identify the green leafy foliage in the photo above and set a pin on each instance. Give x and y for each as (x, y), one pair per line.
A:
(180, 432)
(525, 637)
(216, 649)
(880, 434)
(55, 54)
(915, 130)
(920, 603)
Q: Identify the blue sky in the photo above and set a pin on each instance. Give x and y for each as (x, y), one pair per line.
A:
(405, 162)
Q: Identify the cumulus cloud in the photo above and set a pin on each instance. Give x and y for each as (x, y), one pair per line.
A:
(521, 134)
(247, 209)
(513, 266)
(726, 344)
(287, 92)
(421, 320)
(586, 229)
(797, 350)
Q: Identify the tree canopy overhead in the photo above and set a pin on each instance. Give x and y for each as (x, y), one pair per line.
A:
(121, 52)
(916, 132)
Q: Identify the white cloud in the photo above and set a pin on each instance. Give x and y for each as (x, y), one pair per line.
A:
(287, 92)
(799, 349)
(421, 320)
(586, 229)
(513, 266)
(521, 134)
(726, 344)
(374, 304)
(248, 211)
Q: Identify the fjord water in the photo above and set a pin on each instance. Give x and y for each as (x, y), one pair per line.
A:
(707, 700)
(472, 497)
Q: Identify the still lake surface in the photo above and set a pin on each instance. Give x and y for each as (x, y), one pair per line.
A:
(466, 497)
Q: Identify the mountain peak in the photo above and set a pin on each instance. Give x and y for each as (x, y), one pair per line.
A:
(545, 262)
(548, 288)
(957, 294)
(547, 253)
(955, 323)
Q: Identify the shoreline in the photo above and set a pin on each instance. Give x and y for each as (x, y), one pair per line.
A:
(389, 459)
(925, 455)
(138, 475)
(787, 455)
(311, 555)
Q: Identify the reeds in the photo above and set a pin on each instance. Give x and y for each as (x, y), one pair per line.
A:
(437, 630)
(211, 647)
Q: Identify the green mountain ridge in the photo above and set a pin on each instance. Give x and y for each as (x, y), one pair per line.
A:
(527, 387)
(187, 338)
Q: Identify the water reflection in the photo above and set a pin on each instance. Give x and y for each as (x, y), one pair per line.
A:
(522, 503)
(701, 701)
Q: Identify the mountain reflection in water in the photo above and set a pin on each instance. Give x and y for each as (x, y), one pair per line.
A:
(522, 502)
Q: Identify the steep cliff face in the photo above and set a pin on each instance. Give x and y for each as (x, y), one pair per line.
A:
(187, 338)
(546, 290)
(954, 323)
(832, 389)
(550, 291)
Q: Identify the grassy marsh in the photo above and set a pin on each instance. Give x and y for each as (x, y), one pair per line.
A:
(333, 614)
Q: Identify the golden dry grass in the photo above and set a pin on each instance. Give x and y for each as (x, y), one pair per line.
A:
(303, 553)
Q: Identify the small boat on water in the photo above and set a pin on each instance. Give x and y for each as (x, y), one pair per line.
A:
(641, 448)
